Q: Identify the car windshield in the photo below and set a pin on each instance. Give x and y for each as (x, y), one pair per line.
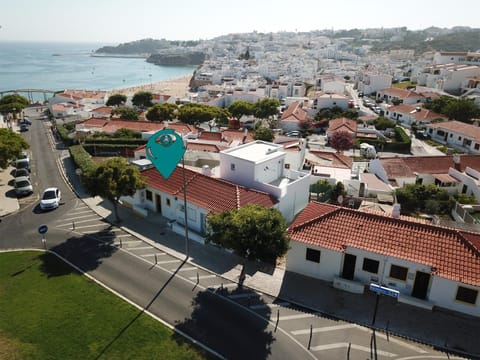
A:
(47, 195)
(22, 165)
(23, 183)
(21, 172)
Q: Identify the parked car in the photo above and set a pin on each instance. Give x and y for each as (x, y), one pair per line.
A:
(50, 198)
(23, 186)
(26, 121)
(21, 173)
(23, 164)
(23, 127)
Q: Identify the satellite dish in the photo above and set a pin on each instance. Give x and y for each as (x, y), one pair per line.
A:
(340, 199)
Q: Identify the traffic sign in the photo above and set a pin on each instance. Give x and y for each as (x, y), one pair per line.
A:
(382, 290)
(42, 229)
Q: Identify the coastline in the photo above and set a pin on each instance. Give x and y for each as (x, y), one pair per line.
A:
(177, 87)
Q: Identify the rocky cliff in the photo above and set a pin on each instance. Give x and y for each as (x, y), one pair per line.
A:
(193, 58)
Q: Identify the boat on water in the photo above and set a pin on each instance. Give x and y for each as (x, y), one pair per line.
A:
(56, 54)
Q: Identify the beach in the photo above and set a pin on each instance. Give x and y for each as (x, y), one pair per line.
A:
(178, 88)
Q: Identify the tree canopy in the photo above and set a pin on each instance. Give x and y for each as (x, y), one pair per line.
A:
(253, 232)
(116, 100)
(240, 108)
(142, 99)
(11, 146)
(126, 113)
(162, 112)
(457, 109)
(264, 133)
(266, 108)
(13, 103)
(112, 180)
(341, 141)
(194, 113)
(428, 198)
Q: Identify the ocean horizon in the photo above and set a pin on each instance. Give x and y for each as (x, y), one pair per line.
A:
(58, 66)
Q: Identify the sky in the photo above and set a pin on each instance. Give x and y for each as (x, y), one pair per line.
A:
(118, 21)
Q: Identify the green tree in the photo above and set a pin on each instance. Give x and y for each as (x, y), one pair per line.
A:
(162, 112)
(13, 104)
(126, 113)
(337, 191)
(193, 113)
(462, 110)
(112, 180)
(142, 99)
(341, 141)
(253, 232)
(240, 108)
(266, 109)
(382, 123)
(11, 146)
(264, 133)
(126, 133)
(116, 100)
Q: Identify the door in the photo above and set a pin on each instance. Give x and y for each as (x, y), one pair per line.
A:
(420, 286)
(349, 266)
(158, 203)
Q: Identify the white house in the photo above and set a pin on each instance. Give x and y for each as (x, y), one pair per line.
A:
(329, 100)
(261, 165)
(370, 82)
(331, 83)
(430, 266)
(447, 77)
(456, 134)
(408, 114)
(403, 95)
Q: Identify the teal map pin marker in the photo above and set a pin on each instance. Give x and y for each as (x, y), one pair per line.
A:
(165, 149)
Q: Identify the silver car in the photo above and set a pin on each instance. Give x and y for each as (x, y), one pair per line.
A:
(23, 186)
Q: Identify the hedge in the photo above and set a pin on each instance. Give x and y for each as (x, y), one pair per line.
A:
(82, 158)
(115, 141)
(63, 133)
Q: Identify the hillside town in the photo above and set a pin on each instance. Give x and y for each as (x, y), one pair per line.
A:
(397, 206)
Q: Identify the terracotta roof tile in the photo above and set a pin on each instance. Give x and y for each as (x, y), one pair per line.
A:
(452, 254)
(342, 124)
(204, 191)
(470, 131)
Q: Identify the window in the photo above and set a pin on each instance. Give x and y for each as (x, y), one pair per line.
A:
(168, 202)
(398, 272)
(287, 166)
(440, 132)
(466, 295)
(477, 146)
(370, 265)
(148, 195)
(313, 255)
(232, 167)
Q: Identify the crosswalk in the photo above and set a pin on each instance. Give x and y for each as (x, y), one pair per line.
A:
(324, 337)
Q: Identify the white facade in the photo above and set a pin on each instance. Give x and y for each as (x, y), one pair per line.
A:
(330, 100)
(371, 82)
(434, 291)
(261, 165)
(465, 138)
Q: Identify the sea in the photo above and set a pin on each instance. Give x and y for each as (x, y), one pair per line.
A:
(60, 66)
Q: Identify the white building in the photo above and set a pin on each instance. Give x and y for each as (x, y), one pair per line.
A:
(368, 82)
(430, 266)
(456, 134)
(261, 165)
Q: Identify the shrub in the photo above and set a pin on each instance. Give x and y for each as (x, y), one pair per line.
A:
(82, 158)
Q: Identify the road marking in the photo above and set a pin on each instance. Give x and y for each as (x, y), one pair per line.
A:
(431, 357)
(142, 248)
(352, 346)
(83, 212)
(185, 268)
(396, 341)
(271, 306)
(108, 236)
(323, 329)
(202, 277)
(242, 295)
(228, 285)
(89, 226)
(297, 316)
(129, 242)
(158, 254)
(168, 261)
(79, 217)
(78, 222)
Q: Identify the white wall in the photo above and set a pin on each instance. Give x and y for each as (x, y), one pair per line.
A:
(243, 172)
(443, 293)
(327, 269)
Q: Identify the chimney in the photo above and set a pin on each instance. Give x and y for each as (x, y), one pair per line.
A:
(456, 162)
(396, 211)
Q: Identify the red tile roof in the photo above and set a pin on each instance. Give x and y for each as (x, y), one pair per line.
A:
(146, 126)
(342, 124)
(210, 136)
(337, 160)
(470, 131)
(418, 112)
(407, 166)
(295, 112)
(206, 192)
(452, 254)
(196, 146)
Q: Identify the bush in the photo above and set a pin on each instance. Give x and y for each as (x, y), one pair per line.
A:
(82, 158)
(63, 133)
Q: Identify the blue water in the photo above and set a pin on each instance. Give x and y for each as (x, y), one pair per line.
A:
(26, 65)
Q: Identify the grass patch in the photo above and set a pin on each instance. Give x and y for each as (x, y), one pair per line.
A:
(48, 311)
(403, 84)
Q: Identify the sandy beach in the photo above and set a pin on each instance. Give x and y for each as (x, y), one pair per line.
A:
(175, 87)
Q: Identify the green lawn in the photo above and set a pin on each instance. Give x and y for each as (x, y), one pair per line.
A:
(48, 311)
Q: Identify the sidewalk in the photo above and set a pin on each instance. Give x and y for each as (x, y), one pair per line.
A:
(8, 199)
(445, 331)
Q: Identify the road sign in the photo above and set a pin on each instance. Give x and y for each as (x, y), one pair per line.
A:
(382, 290)
(42, 229)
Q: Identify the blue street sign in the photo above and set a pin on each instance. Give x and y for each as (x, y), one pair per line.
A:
(384, 290)
(165, 149)
(42, 229)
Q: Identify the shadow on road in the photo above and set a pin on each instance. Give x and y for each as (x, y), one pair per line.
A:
(229, 329)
